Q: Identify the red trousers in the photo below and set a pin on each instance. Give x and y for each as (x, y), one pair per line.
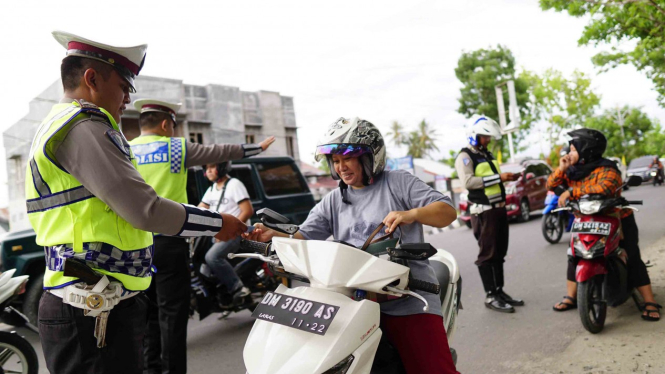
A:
(421, 341)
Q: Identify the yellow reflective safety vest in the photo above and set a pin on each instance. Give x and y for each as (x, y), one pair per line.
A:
(161, 162)
(70, 221)
(495, 193)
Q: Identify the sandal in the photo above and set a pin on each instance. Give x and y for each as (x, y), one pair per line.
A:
(568, 306)
(648, 317)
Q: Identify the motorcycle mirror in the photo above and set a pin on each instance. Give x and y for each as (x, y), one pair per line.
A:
(277, 222)
(634, 181)
(270, 216)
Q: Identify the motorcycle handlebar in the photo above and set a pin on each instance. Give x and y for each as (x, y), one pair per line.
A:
(417, 284)
(634, 202)
(255, 247)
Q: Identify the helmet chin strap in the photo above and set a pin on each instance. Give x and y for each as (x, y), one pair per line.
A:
(343, 187)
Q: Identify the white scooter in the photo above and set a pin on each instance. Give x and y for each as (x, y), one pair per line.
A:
(329, 327)
(16, 353)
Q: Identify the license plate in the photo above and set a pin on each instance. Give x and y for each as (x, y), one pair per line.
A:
(600, 228)
(301, 314)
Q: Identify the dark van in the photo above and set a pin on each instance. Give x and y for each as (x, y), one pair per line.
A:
(272, 182)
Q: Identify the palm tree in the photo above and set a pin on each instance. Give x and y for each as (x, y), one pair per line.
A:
(421, 141)
(397, 134)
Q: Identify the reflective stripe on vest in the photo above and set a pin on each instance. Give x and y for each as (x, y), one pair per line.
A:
(63, 211)
(492, 192)
(161, 162)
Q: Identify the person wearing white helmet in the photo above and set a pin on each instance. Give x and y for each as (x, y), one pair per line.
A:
(481, 175)
(368, 197)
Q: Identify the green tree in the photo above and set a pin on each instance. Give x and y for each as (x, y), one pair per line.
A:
(480, 72)
(614, 22)
(561, 102)
(397, 134)
(638, 129)
(655, 141)
(421, 141)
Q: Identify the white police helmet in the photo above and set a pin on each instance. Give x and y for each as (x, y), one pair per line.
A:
(482, 125)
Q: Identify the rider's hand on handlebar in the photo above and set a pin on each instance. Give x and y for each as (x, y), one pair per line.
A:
(267, 142)
(396, 218)
(563, 199)
(231, 228)
(260, 234)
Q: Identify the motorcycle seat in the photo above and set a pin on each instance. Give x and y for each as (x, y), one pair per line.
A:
(443, 276)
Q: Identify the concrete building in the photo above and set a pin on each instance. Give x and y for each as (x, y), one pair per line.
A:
(210, 114)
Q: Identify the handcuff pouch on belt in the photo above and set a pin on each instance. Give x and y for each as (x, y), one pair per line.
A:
(94, 300)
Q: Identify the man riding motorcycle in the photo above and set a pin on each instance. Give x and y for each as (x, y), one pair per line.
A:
(368, 195)
(583, 171)
(659, 168)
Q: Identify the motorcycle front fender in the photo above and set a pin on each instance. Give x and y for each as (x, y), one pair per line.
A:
(587, 269)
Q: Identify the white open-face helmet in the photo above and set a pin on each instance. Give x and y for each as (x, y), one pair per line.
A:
(354, 137)
(482, 125)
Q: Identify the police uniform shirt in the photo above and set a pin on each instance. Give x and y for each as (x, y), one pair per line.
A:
(466, 172)
(107, 171)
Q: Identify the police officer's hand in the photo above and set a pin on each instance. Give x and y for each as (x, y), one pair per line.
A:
(563, 198)
(396, 218)
(231, 228)
(259, 234)
(267, 142)
(507, 177)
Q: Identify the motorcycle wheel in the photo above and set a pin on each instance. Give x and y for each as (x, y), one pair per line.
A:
(589, 300)
(17, 355)
(552, 227)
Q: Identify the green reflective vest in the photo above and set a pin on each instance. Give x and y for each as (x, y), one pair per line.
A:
(161, 162)
(490, 194)
(70, 221)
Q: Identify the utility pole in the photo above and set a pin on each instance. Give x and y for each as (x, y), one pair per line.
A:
(513, 113)
(620, 117)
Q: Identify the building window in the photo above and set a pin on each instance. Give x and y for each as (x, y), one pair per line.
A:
(289, 146)
(196, 137)
(19, 168)
(249, 138)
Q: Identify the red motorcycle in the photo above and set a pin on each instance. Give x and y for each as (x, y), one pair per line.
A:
(601, 274)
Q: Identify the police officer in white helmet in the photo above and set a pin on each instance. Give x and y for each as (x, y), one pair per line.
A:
(481, 175)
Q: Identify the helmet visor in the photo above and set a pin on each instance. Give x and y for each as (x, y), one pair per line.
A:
(349, 150)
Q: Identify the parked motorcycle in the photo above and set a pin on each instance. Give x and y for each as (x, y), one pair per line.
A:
(208, 295)
(331, 327)
(657, 177)
(555, 223)
(601, 274)
(16, 354)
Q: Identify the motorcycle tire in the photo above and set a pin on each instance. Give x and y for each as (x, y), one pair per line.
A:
(552, 228)
(589, 302)
(22, 357)
(31, 298)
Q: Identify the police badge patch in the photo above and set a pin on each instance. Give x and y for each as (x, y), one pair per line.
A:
(119, 141)
(466, 161)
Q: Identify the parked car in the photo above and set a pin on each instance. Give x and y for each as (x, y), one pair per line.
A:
(641, 167)
(272, 182)
(523, 196)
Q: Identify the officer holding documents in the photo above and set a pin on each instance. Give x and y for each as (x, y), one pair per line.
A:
(481, 175)
(163, 161)
(90, 207)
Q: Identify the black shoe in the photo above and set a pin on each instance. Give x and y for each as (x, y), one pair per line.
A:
(508, 299)
(495, 302)
(235, 300)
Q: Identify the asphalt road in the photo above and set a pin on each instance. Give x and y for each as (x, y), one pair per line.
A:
(486, 341)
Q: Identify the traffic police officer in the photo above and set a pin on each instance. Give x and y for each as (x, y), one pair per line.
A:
(89, 206)
(163, 161)
(481, 175)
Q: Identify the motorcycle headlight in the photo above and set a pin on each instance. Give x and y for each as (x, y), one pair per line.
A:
(590, 207)
(342, 367)
(653, 173)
